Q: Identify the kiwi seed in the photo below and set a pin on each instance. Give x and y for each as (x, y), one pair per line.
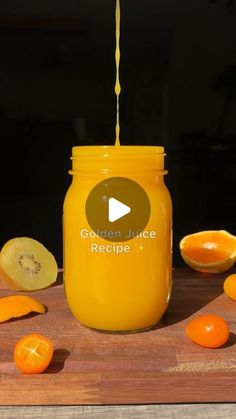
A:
(28, 262)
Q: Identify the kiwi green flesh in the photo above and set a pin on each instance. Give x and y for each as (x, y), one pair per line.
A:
(29, 268)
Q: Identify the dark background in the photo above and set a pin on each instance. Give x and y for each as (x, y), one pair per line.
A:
(178, 74)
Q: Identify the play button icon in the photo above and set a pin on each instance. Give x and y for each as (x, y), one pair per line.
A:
(117, 209)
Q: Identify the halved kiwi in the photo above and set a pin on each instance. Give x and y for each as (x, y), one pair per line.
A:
(26, 265)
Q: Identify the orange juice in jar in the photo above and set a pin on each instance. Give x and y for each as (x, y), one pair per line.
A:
(117, 227)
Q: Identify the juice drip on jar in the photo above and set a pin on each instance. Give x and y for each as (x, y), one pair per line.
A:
(117, 84)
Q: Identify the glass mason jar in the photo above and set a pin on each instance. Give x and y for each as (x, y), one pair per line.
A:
(116, 289)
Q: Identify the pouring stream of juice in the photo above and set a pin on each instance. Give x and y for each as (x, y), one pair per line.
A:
(117, 85)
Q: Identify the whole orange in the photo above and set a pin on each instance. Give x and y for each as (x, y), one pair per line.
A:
(208, 330)
(230, 286)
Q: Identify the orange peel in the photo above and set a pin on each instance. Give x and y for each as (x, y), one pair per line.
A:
(19, 305)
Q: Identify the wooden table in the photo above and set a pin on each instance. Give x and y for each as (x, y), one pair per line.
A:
(173, 411)
(158, 373)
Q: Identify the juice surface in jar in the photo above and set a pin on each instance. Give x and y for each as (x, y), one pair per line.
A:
(117, 263)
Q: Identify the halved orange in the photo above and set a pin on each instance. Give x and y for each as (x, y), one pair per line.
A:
(212, 251)
(33, 353)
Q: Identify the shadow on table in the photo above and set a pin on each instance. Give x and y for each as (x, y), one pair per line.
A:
(58, 361)
(191, 292)
(231, 341)
(59, 280)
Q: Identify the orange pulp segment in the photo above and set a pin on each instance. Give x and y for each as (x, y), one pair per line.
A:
(211, 251)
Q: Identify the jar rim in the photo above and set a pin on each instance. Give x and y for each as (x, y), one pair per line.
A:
(113, 150)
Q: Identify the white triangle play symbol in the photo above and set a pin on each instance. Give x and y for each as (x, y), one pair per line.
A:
(117, 209)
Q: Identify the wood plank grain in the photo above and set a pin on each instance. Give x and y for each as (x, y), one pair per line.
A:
(156, 366)
(173, 411)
